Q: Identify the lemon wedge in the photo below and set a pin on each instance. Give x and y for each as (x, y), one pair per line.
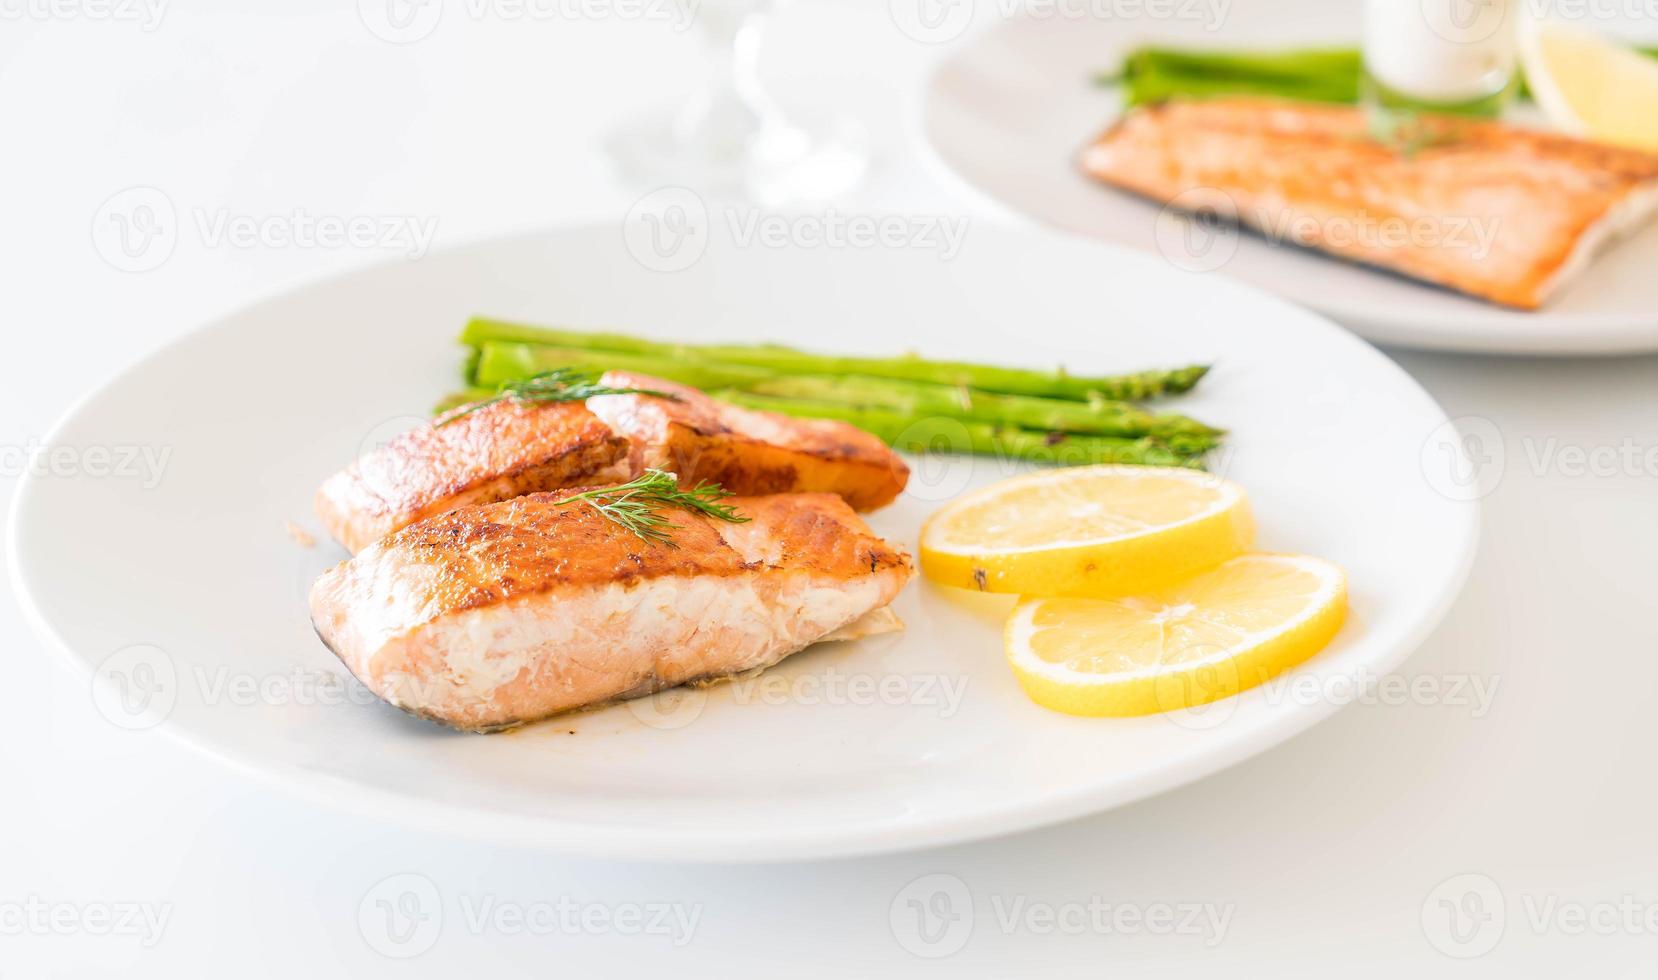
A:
(1087, 531)
(1219, 633)
(1590, 86)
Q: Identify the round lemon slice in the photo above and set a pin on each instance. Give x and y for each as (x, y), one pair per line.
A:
(1591, 86)
(1222, 632)
(1087, 531)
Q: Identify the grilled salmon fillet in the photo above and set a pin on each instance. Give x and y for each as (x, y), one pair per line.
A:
(1497, 212)
(498, 452)
(747, 451)
(493, 615)
(507, 448)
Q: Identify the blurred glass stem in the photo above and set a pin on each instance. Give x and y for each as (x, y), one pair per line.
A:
(731, 138)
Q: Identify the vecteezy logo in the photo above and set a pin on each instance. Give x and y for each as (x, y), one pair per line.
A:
(931, 21)
(1463, 917)
(379, 478)
(136, 229)
(136, 687)
(1198, 230)
(1465, 21)
(400, 21)
(935, 476)
(667, 229)
(671, 709)
(932, 916)
(401, 916)
(1197, 686)
(1463, 458)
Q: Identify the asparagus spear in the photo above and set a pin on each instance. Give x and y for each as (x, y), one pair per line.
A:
(937, 433)
(501, 362)
(933, 433)
(1111, 418)
(1300, 63)
(1153, 74)
(785, 360)
(1155, 87)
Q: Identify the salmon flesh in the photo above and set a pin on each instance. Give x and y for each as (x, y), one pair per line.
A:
(496, 453)
(489, 616)
(747, 451)
(1498, 212)
(508, 448)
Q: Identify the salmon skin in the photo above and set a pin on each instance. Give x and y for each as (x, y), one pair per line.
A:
(490, 616)
(508, 448)
(1497, 212)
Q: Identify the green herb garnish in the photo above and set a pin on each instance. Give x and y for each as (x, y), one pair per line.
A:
(637, 505)
(560, 385)
(1407, 133)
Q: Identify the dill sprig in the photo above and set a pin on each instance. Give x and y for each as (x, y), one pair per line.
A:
(559, 385)
(1407, 133)
(637, 505)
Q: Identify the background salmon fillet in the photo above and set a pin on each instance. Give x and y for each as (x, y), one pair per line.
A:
(1495, 211)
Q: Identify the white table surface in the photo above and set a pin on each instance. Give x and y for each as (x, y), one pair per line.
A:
(1324, 852)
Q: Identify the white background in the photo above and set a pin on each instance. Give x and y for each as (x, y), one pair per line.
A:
(1325, 851)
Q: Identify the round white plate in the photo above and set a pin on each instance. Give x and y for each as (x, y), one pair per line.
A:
(182, 589)
(1008, 110)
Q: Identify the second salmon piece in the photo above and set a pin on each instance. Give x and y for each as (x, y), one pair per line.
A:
(507, 448)
(746, 451)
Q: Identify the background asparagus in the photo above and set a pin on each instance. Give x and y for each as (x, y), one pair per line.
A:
(1153, 74)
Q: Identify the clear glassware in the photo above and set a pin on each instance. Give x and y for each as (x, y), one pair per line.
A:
(731, 138)
(1443, 56)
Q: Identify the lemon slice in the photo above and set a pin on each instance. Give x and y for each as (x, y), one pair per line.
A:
(1087, 531)
(1222, 632)
(1590, 86)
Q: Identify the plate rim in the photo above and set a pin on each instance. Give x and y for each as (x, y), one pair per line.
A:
(591, 839)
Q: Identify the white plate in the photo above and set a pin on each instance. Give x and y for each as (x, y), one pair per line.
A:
(199, 573)
(1008, 110)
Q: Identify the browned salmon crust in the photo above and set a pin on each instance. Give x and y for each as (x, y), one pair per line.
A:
(495, 453)
(1498, 212)
(489, 616)
(746, 451)
(508, 448)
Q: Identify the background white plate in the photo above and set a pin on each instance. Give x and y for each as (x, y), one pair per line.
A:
(187, 596)
(1008, 110)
